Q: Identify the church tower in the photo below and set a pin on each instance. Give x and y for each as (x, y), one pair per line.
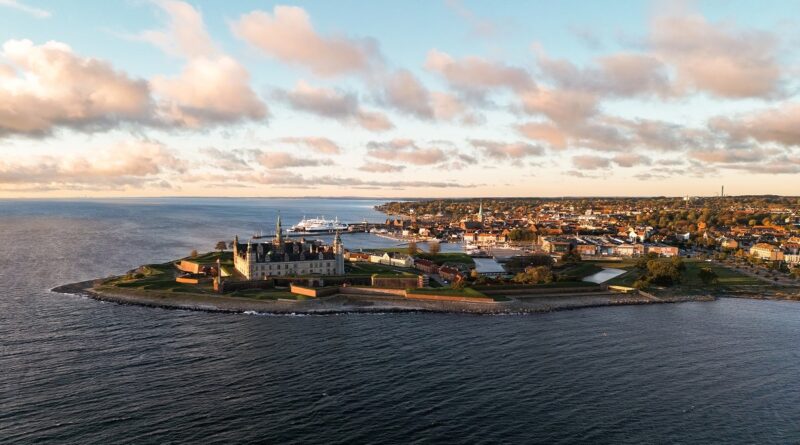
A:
(279, 234)
(480, 212)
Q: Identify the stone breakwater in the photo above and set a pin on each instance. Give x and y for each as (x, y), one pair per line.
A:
(342, 304)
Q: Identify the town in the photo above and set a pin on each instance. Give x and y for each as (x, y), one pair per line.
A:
(763, 231)
(509, 255)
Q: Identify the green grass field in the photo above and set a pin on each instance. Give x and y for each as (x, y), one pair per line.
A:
(727, 277)
(580, 271)
(450, 257)
(689, 278)
(210, 258)
(372, 268)
(267, 294)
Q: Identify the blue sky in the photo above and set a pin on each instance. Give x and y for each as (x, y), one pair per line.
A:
(423, 98)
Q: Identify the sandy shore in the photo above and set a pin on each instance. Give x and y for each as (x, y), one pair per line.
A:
(338, 304)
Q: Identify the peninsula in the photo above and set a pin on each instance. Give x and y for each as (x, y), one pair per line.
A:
(539, 271)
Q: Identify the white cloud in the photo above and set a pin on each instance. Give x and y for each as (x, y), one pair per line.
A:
(36, 12)
(288, 35)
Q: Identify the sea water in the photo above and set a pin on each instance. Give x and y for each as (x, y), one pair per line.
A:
(75, 370)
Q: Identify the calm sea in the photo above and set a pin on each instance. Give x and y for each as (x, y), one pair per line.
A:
(74, 370)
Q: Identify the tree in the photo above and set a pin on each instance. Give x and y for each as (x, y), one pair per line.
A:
(534, 275)
(663, 273)
(707, 276)
(521, 235)
(412, 248)
(194, 253)
(221, 245)
(571, 257)
(434, 247)
(458, 283)
(641, 263)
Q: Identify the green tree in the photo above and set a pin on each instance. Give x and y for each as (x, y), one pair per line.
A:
(534, 275)
(412, 248)
(641, 263)
(194, 253)
(571, 257)
(663, 273)
(221, 245)
(707, 276)
(434, 247)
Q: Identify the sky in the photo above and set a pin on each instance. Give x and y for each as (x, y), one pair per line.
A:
(438, 98)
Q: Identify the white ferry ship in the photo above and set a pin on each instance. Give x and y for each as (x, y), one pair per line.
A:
(318, 225)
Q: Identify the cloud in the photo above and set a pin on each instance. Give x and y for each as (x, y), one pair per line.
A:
(230, 160)
(185, 35)
(317, 144)
(213, 87)
(208, 91)
(479, 26)
(631, 160)
(780, 125)
(506, 150)
(49, 86)
(403, 91)
(545, 132)
(277, 160)
(36, 12)
(406, 92)
(475, 76)
(717, 57)
(291, 180)
(727, 156)
(123, 165)
(334, 104)
(380, 167)
(614, 75)
(590, 162)
(288, 35)
(407, 151)
(566, 107)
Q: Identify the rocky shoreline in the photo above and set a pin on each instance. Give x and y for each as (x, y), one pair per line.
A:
(344, 304)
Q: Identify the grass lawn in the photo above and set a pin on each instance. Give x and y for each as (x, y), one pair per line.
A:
(371, 268)
(210, 258)
(159, 277)
(615, 264)
(627, 279)
(689, 278)
(553, 285)
(450, 257)
(266, 294)
(464, 292)
(580, 270)
(727, 277)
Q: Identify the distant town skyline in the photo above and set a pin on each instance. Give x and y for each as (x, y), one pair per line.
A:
(450, 98)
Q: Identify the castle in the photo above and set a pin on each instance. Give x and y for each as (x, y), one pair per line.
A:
(262, 260)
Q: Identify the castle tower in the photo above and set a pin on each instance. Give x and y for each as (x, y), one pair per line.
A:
(338, 251)
(235, 246)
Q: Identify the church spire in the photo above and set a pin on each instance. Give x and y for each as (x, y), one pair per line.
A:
(279, 232)
(480, 211)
